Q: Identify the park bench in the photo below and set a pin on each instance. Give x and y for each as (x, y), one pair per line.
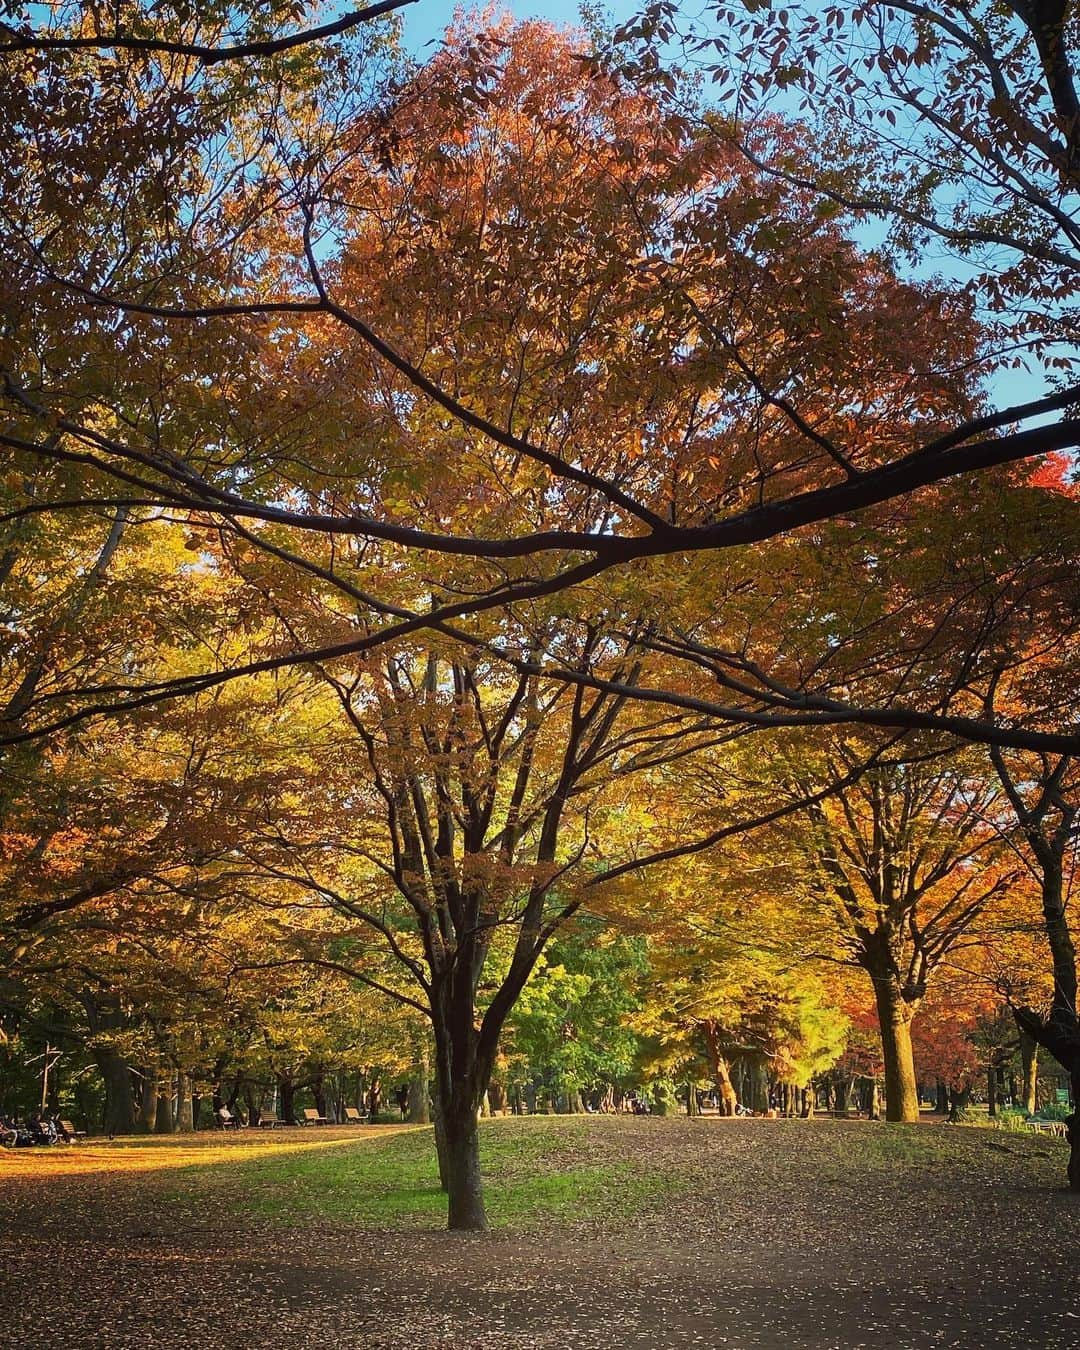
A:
(225, 1120)
(312, 1117)
(71, 1131)
(353, 1116)
(267, 1120)
(1055, 1127)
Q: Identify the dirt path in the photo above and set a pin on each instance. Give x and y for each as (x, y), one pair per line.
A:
(774, 1247)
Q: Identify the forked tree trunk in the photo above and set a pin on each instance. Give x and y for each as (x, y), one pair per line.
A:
(894, 1018)
(721, 1071)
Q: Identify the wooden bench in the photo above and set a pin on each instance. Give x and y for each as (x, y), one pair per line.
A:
(312, 1117)
(353, 1116)
(267, 1120)
(70, 1130)
(1055, 1127)
(225, 1120)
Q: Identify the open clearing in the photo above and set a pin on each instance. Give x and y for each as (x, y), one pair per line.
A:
(609, 1232)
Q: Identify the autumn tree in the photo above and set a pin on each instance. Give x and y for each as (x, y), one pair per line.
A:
(908, 859)
(697, 265)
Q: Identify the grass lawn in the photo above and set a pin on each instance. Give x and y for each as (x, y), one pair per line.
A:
(607, 1232)
(537, 1171)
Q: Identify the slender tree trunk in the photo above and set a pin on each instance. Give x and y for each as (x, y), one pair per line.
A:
(692, 1108)
(894, 1018)
(286, 1100)
(842, 1105)
(441, 1147)
(419, 1091)
(1029, 1060)
(942, 1098)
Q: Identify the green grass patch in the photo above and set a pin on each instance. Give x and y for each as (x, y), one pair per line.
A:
(535, 1171)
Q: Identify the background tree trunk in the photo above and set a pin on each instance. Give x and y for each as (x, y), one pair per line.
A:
(419, 1092)
(119, 1114)
(148, 1100)
(163, 1117)
(185, 1106)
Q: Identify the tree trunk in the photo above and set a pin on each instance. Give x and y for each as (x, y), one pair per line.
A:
(991, 1091)
(759, 1085)
(119, 1116)
(441, 1150)
(692, 1108)
(894, 1018)
(942, 1092)
(163, 1117)
(842, 1105)
(464, 1188)
(286, 1100)
(419, 1092)
(185, 1105)
(868, 1097)
(318, 1091)
(959, 1100)
(1060, 1032)
(1029, 1059)
(726, 1099)
(148, 1101)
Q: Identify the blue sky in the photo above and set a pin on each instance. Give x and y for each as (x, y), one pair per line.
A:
(425, 21)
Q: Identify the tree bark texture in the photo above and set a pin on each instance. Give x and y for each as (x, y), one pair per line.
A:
(894, 1018)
